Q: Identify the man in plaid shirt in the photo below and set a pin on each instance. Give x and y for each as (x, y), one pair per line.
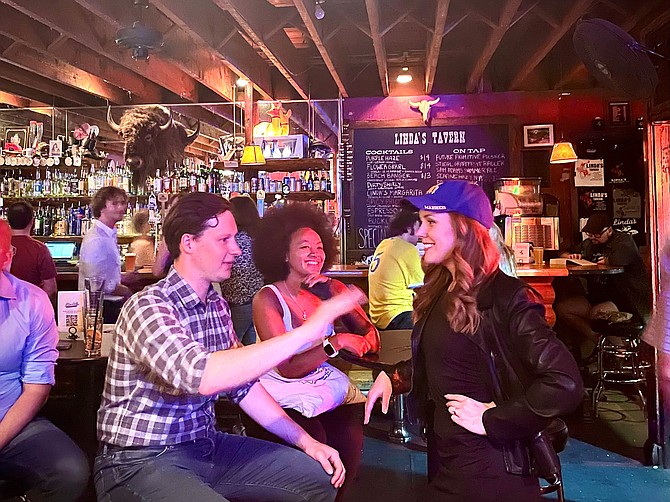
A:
(174, 351)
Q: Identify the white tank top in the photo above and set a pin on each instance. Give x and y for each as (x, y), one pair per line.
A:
(286, 311)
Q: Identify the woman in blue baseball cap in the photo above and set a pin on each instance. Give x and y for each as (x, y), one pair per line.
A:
(488, 372)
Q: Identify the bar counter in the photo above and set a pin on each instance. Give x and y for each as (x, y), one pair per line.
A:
(539, 277)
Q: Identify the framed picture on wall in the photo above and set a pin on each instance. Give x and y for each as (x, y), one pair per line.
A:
(15, 139)
(538, 135)
(619, 113)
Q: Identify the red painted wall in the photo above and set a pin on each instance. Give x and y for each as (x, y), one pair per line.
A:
(572, 116)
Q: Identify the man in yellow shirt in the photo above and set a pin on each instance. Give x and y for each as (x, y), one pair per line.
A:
(394, 269)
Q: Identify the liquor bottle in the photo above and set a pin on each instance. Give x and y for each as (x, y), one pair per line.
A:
(202, 181)
(192, 180)
(39, 221)
(158, 182)
(37, 185)
(167, 182)
(310, 181)
(183, 180)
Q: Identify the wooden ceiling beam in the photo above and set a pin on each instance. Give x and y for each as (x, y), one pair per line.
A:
(660, 20)
(521, 14)
(333, 60)
(399, 19)
(19, 101)
(206, 23)
(579, 70)
(34, 94)
(180, 50)
(76, 22)
(64, 73)
(578, 8)
(355, 22)
(374, 18)
(484, 19)
(20, 28)
(44, 85)
(491, 45)
(256, 19)
(434, 43)
(544, 16)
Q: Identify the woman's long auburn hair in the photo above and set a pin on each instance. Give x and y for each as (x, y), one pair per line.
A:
(473, 260)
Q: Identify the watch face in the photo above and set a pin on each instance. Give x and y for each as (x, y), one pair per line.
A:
(329, 349)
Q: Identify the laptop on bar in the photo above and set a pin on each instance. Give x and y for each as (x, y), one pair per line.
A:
(62, 252)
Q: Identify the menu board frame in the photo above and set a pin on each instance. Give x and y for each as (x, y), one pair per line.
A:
(357, 245)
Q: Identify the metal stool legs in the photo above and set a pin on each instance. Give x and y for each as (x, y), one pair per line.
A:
(629, 371)
(399, 433)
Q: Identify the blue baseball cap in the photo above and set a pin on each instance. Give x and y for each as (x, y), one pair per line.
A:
(456, 196)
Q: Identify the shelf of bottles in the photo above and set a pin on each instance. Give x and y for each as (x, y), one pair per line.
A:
(61, 193)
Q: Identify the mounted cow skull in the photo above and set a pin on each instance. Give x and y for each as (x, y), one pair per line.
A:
(424, 107)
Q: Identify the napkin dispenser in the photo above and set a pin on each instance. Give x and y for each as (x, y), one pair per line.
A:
(522, 252)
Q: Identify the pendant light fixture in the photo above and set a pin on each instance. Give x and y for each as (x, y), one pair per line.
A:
(563, 151)
(252, 156)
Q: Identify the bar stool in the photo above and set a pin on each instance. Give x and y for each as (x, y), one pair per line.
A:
(547, 464)
(619, 362)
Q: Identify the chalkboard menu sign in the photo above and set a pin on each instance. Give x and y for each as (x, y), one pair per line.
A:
(393, 163)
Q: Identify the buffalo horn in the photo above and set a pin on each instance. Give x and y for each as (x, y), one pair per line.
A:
(191, 137)
(168, 124)
(110, 120)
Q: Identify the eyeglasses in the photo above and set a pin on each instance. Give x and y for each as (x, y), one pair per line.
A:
(598, 235)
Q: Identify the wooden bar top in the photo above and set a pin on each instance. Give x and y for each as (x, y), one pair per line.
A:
(344, 271)
(541, 271)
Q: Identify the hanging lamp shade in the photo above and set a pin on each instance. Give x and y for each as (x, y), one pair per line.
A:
(252, 156)
(562, 153)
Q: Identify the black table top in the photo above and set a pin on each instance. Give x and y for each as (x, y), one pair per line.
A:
(396, 347)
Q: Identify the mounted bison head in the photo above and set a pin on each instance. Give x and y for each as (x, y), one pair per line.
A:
(151, 139)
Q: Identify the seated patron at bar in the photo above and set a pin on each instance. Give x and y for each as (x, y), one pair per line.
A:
(99, 255)
(173, 352)
(629, 291)
(395, 266)
(295, 244)
(32, 262)
(34, 453)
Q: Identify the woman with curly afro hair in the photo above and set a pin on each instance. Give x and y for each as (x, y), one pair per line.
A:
(293, 245)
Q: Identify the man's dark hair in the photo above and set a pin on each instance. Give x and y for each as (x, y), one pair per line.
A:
(189, 215)
(103, 195)
(20, 214)
(402, 221)
(245, 213)
(275, 232)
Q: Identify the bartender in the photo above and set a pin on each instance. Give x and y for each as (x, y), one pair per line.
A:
(99, 256)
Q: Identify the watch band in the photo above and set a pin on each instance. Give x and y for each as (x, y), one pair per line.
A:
(329, 349)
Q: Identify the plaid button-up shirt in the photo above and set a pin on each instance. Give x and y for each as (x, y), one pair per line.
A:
(161, 344)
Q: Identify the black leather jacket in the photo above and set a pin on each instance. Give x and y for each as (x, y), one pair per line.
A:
(533, 375)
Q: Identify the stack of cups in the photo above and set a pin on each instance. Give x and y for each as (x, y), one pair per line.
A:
(93, 300)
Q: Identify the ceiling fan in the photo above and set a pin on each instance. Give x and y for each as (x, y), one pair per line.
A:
(615, 58)
(140, 39)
